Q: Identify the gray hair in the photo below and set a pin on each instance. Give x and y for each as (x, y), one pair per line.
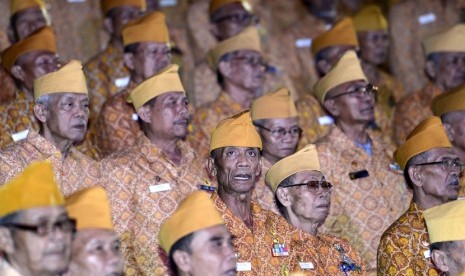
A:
(44, 100)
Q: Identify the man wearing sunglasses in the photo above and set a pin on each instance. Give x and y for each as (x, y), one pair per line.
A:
(35, 230)
(369, 193)
(432, 171)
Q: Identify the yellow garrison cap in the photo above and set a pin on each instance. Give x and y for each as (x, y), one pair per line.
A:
(164, 82)
(235, 131)
(347, 69)
(90, 208)
(41, 40)
(453, 100)
(216, 4)
(447, 41)
(68, 79)
(427, 135)
(195, 213)
(248, 39)
(342, 33)
(370, 18)
(149, 28)
(107, 5)
(34, 187)
(305, 159)
(20, 5)
(446, 222)
(278, 104)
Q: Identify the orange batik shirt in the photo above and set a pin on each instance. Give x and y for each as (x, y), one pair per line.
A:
(404, 247)
(73, 172)
(144, 189)
(262, 193)
(368, 192)
(313, 120)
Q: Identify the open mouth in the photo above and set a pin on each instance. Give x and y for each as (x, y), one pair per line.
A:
(80, 126)
(182, 122)
(243, 177)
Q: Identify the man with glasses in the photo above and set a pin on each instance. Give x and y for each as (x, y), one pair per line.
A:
(35, 230)
(369, 193)
(432, 171)
(303, 197)
(275, 117)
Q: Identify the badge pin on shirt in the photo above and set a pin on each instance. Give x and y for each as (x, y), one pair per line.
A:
(279, 249)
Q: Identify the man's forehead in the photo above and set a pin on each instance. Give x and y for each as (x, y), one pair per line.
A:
(70, 95)
(43, 213)
(308, 174)
(436, 153)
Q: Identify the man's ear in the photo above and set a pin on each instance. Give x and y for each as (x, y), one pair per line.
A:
(129, 60)
(6, 241)
(431, 69)
(331, 106)
(415, 175)
(17, 72)
(182, 260)
(323, 66)
(439, 260)
(283, 196)
(41, 112)
(259, 169)
(211, 168)
(214, 30)
(450, 131)
(224, 68)
(144, 114)
(108, 25)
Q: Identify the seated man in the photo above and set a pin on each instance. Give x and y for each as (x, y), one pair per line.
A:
(35, 230)
(96, 247)
(196, 239)
(303, 197)
(432, 171)
(275, 117)
(446, 228)
(62, 110)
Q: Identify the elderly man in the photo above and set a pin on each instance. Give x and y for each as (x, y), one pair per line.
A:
(303, 198)
(26, 60)
(196, 239)
(445, 66)
(35, 230)
(275, 117)
(446, 230)
(146, 46)
(62, 111)
(368, 193)
(96, 247)
(432, 171)
(146, 182)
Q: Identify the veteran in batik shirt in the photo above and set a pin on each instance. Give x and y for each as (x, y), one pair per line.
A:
(275, 117)
(432, 171)
(146, 182)
(445, 67)
(368, 192)
(62, 110)
(147, 51)
(303, 197)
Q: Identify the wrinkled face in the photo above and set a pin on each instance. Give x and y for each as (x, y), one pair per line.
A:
(28, 21)
(245, 69)
(308, 205)
(47, 255)
(67, 116)
(169, 116)
(450, 70)
(96, 252)
(231, 19)
(350, 106)
(150, 58)
(33, 65)
(237, 168)
(457, 124)
(212, 252)
(322, 8)
(276, 145)
(374, 46)
(122, 15)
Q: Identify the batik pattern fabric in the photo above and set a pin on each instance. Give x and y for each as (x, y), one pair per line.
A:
(313, 120)
(262, 193)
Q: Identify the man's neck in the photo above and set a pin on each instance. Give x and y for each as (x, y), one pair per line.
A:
(239, 204)
(270, 158)
(63, 145)
(371, 71)
(425, 201)
(355, 132)
(240, 95)
(305, 225)
(169, 147)
(117, 43)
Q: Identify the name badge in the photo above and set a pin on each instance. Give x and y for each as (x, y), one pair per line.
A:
(427, 254)
(306, 265)
(18, 136)
(358, 174)
(167, 3)
(303, 43)
(325, 120)
(426, 18)
(244, 266)
(160, 188)
(135, 117)
(122, 82)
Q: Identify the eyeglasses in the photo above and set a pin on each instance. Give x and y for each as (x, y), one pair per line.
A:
(253, 61)
(239, 18)
(44, 229)
(313, 186)
(281, 132)
(447, 164)
(359, 92)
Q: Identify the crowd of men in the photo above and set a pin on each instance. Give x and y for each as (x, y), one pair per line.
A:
(330, 145)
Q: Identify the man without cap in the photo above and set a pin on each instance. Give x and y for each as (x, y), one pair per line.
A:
(432, 171)
(147, 51)
(35, 230)
(196, 239)
(146, 182)
(62, 110)
(446, 230)
(303, 197)
(369, 193)
(275, 118)
(445, 67)
(96, 247)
